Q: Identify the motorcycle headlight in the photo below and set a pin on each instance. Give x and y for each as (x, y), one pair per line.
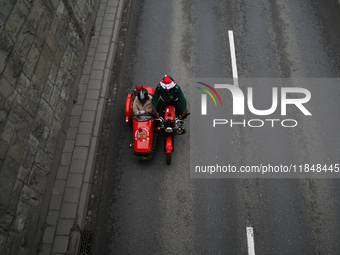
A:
(168, 130)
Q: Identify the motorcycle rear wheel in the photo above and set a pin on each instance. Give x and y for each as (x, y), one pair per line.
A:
(168, 158)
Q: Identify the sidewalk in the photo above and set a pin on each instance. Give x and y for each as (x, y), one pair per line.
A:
(68, 204)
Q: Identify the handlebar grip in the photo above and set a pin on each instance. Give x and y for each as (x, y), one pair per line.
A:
(184, 114)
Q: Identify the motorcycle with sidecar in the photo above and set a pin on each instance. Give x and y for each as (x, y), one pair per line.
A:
(147, 127)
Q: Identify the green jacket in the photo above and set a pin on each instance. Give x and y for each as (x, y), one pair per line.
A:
(169, 96)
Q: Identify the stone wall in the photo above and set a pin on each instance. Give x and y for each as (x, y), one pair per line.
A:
(42, 45)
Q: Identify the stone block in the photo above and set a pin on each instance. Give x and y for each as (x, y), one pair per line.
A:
(55, 96)
(7, 129)
(72, 134)
(55, 203)
(6, 46)
(23, 173)
(18, 146)
(109, 17)
(43, 161)
(77, 166)
(46, 249)
(92, 94)
(80, 153)
(60, 110)
(15, 195)
(69, 145)
(60, 244)
(8, 176)
(43, 68)
(17, 19)
(77, 110)
(34, 17)
(40, 131)
(66, 59)
(5, 9)
(6, 218)
(20, 217)
(82, 89)
(31, 196)
(83, 140)
(108, 24)
(85, 128)
(42, 31)
(23, 85)
(13, 242)
(21, 119)
(74, 180)
(74, 121)
(104, 39)
(88, 116)
(31, 61)
(7, 91)
(52, 218)
(68, 83)
(30, 151)
(48, 91)
(74, 62)
(46, 112)
(5, 108)
(59, 187)
(112, 3)
(60, 78)
(37, 180)
(3, 150)
(66, 159)
(68, 210)
(100, 56)
(49, 235)
(87, 69)
(71, 195)
(13, 68)
(99, 65)
(80, 99)
(90, 105)
(62, 172)
(24, 41)
(30, 102)
(53, 73)
(51, 42)
(29, 231)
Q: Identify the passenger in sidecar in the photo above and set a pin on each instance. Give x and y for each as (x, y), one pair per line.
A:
(142, 102)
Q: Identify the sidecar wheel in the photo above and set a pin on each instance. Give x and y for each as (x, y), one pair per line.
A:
(168, 158)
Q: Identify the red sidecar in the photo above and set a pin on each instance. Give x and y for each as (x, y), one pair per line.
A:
(143, 128)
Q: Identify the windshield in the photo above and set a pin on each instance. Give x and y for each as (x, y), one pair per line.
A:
(142, 117)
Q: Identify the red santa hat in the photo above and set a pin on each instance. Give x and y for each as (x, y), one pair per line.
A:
(167, 83)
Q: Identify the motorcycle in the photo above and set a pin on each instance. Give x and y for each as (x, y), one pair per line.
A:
(148, 126)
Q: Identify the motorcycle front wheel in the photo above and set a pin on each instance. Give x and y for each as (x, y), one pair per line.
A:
(168, 158)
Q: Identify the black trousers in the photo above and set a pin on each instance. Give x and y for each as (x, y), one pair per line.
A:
(161, 105)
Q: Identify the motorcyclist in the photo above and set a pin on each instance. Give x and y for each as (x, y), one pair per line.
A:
(142, 101)
(169, 93)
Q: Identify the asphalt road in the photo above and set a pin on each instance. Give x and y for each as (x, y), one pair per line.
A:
(151, 208)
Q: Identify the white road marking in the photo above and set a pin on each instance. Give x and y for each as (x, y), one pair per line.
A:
(250, 241)
(233, 57)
